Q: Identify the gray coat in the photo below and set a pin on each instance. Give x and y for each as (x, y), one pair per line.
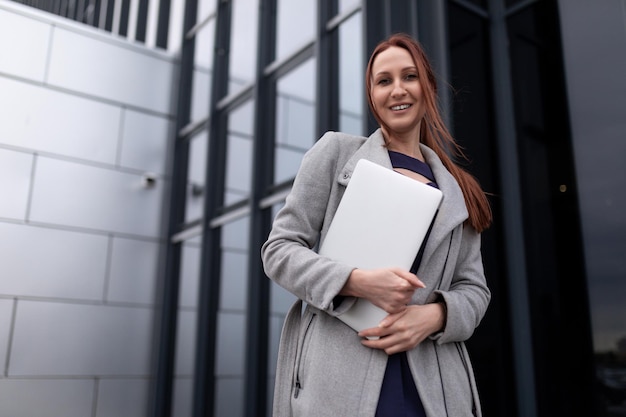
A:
(323, 370)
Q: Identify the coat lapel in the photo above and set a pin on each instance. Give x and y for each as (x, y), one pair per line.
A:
(452, 211)
(373, 149)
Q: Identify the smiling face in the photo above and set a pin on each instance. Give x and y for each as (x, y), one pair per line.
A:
(396, 93)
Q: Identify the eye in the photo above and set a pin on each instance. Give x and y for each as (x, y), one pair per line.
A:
(411, 76)
(383, 81)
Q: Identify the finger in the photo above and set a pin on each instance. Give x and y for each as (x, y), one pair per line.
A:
(411, 278)
(391, 319)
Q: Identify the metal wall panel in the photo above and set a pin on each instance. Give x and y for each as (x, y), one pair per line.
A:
(23, 46)
(111, 71)
(63, 194)
(133, 271)
(42, 119)
(15, 178)
(62, 339)
(41, 262)
(47, 397)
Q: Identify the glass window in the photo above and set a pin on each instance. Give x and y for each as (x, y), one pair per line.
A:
(296, 22)
(295, 119)
(234, 282)
(243, 44)
(205, 39)
(196, 176)
(345, 5)
(205, 9)
(201, 83)
(601, 181)
(229, 363)
(351, 73)
(231, 338)
(186, 330)
(239, 153)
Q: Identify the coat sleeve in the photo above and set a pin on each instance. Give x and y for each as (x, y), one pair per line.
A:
(468, 296)
(289, 256)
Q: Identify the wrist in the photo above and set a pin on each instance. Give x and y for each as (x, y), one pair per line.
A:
(444, 314)
(350, 286)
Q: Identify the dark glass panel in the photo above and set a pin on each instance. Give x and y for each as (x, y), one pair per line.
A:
(473, 128)
(555, 267)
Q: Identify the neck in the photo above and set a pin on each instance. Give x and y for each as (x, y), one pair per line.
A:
(406, 144)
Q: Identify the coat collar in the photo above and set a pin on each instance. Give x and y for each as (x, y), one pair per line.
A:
(452, 211)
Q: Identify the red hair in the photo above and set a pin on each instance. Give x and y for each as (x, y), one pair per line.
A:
(434, 132)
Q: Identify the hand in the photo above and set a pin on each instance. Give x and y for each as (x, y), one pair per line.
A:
(403, 331)
(390, 289)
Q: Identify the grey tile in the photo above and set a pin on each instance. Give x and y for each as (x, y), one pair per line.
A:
(42, 262)
(23, 45)
(53, 339)
(42, 119)
(110, 70)
(72, 194)
(134, 271)
(15, 177)
(46, 397)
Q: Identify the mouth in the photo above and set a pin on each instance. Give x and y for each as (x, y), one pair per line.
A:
(400, 107)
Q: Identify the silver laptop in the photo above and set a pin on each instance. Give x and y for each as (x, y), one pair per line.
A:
(381, 221)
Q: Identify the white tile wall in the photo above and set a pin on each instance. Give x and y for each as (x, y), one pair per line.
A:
(46, 397)
(134, 268)
(51, 121)
(60, 339)
(145, 142)
(6, 317)
(23, 46)
(74, 194)
(15, 176)
(83, 116)
(110, 71)
(42, 262)
(130, 395)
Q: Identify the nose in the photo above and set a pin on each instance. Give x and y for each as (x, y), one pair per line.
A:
(398, 89)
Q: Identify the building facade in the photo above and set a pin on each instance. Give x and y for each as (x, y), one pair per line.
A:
(146, 145)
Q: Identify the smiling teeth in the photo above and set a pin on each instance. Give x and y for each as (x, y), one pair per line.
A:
(401, 107)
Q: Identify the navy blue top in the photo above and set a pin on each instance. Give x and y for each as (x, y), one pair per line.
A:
(398, 394)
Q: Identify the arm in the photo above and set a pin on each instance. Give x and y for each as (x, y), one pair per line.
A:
(288, 254)
(468, 296)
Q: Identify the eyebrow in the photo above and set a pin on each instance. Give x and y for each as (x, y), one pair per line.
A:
(413, 67)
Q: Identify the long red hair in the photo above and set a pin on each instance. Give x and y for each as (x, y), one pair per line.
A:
(434, 132)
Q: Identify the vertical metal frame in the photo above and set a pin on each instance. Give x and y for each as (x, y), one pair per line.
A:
(166, 313)
(124, 15)
(210, 267)
(513, 227)
(163, 24)
(258, 303)
(327, 71)
(108, 22)
(142, 21)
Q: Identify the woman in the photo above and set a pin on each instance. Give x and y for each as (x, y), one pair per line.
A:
(418, 365)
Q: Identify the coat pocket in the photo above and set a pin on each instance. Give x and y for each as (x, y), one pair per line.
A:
(305, 342)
